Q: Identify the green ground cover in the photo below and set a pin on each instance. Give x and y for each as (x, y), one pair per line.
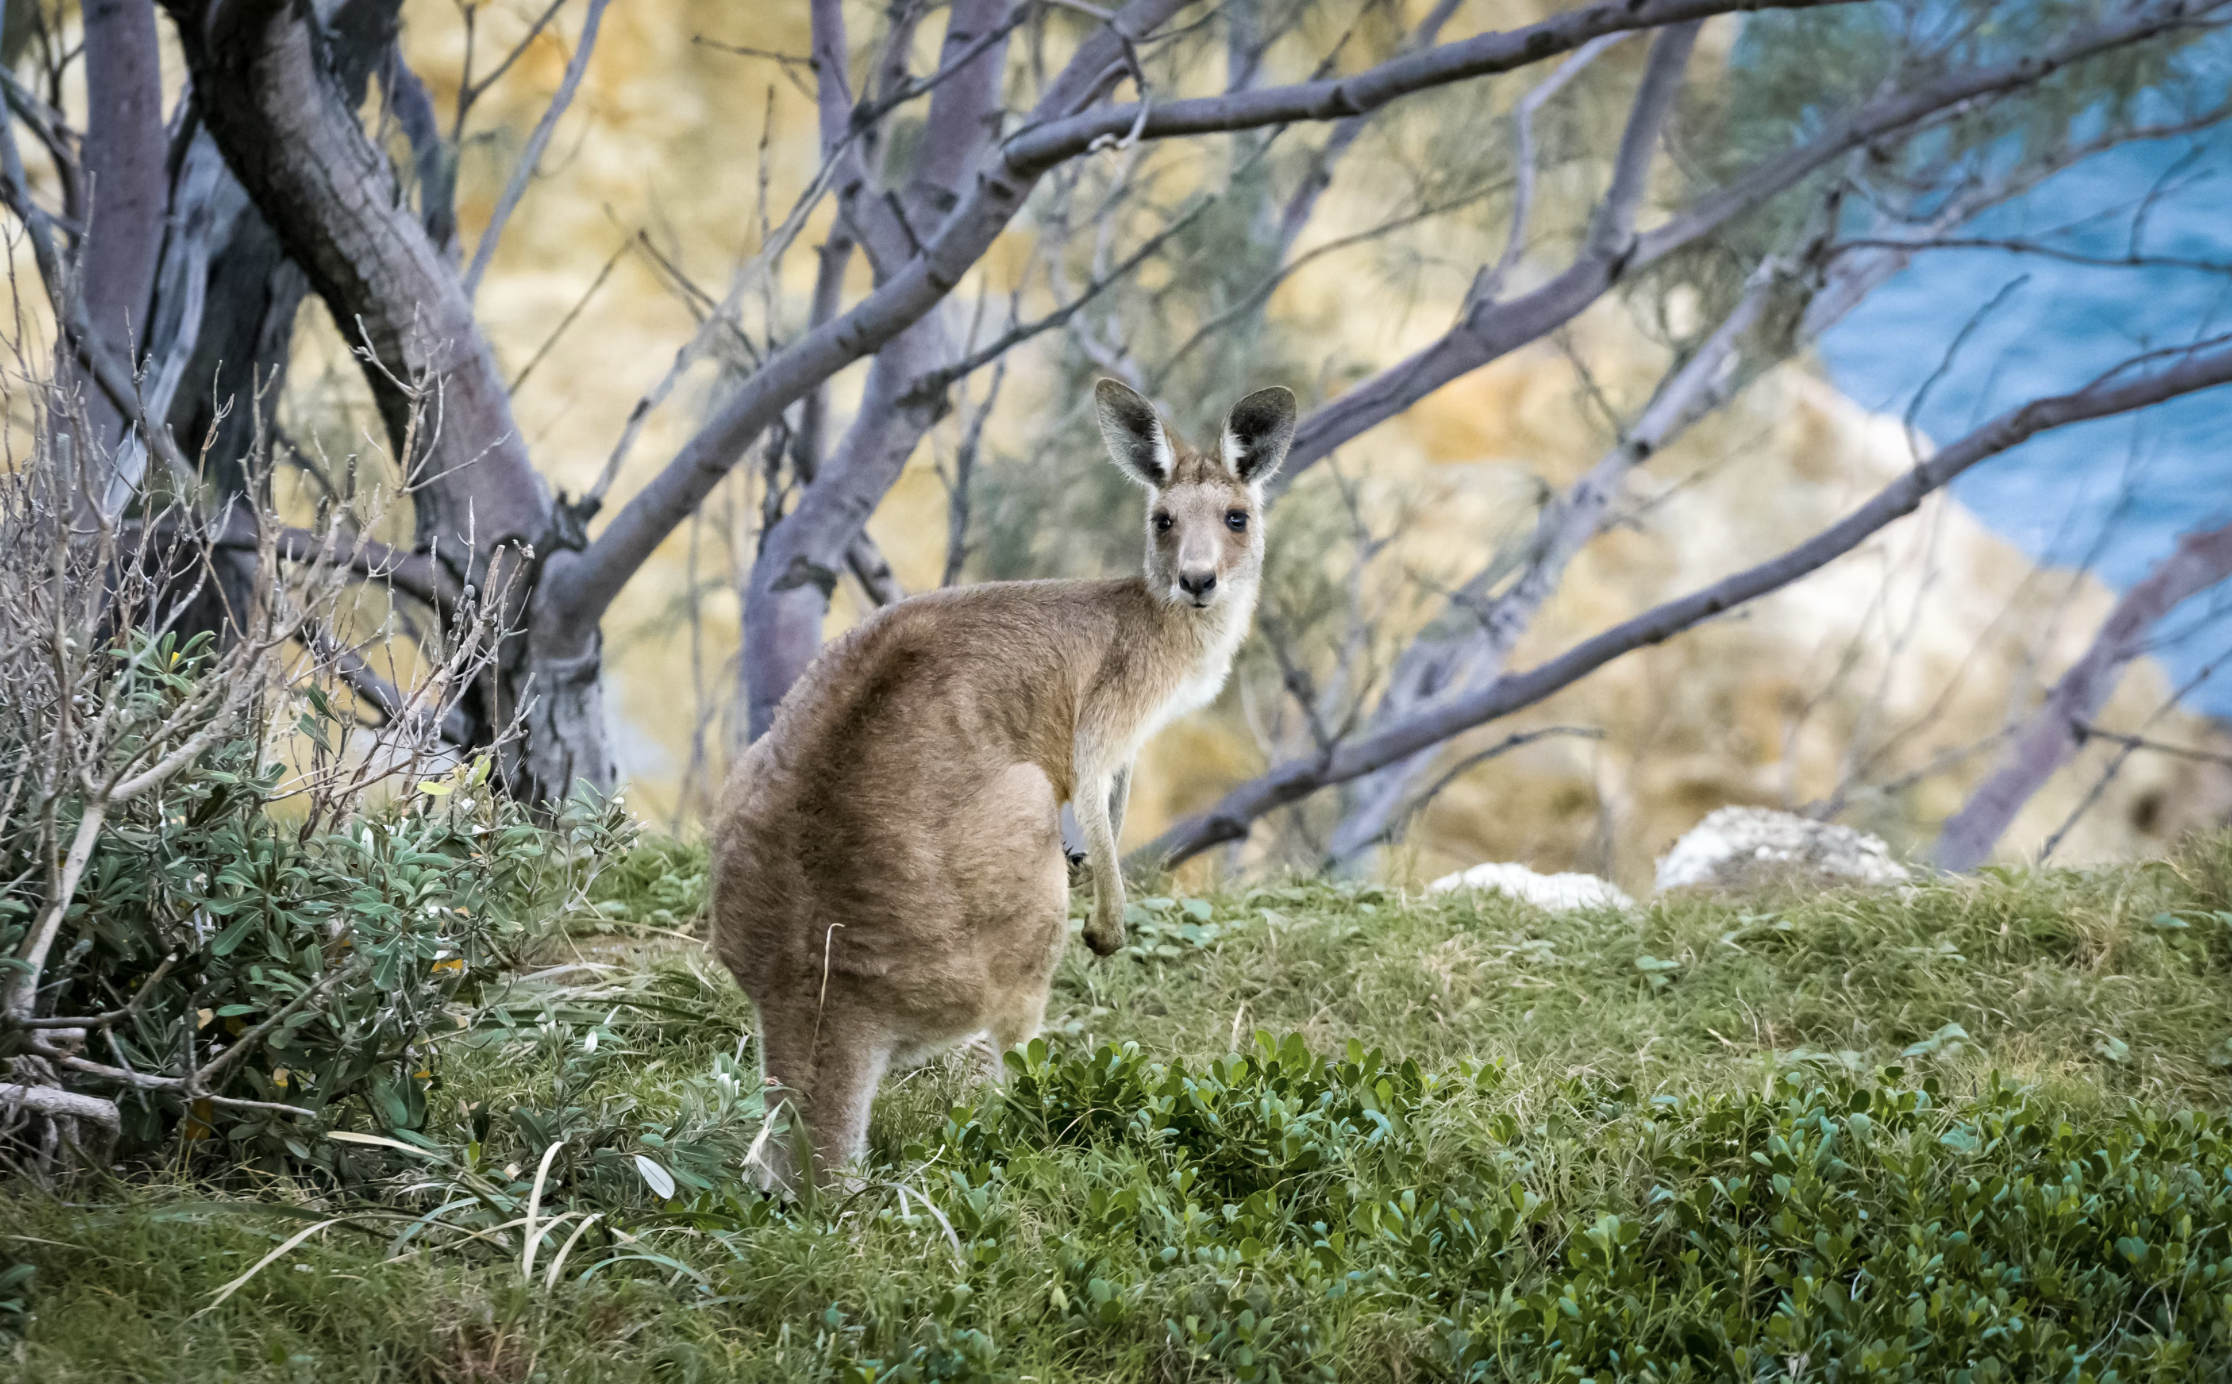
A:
(1971, 1130)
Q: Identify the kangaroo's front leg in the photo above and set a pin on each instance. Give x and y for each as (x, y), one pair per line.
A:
(1119, 798)
(1104, 932)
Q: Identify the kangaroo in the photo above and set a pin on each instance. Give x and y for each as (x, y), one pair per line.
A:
(889, 876)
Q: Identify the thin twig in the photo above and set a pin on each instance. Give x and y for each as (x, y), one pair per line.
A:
(92, 1022)
(2140, 742)
(567, 321)
(1474, 760)
(484, 249)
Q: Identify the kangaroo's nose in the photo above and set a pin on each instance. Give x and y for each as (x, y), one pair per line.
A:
(1197, 584)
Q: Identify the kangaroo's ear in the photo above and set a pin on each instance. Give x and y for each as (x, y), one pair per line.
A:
(1257, 433)
(1134, 434)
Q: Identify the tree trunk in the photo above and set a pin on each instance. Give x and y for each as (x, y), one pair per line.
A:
(290, 134)
(797, 568)
(126, 192)
(220, 375)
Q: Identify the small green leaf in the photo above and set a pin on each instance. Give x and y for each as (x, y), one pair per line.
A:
(658, 1179)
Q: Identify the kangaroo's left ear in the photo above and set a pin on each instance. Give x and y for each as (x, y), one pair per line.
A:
(1257, 433)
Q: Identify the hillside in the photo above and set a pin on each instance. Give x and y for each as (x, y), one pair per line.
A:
(1966, 1130)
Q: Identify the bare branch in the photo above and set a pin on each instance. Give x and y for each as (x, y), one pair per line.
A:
(56, 1103)
(91, 1022)
(198, 1082)
(790, 62)
(568, 320)
(590, 584)
(1486, 332)
(873, 572)
(957, 485)
(831, 258)
(124, 157)
(1613, 228)
(2141, 742)
(1522, 197)
(110, 371)
(1491, 627)
(1254, 299)
(2127, 746)
(1046, 143)
(435, 169)
(1477, 758)
(2020, 246)
(331, 203)
(385, 697)
(523, 172)
(470, 89)
(937, 381)
(413, 574)
(1319, 175)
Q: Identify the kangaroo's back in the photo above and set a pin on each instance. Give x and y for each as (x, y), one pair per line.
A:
(846, 810)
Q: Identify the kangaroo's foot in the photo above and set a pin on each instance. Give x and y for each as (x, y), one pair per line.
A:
(1104, 931)
(990, 1057)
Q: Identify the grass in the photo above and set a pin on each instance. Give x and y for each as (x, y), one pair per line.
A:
(1967, 1130)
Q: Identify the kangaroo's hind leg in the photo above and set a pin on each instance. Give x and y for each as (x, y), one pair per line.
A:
(1039, 925)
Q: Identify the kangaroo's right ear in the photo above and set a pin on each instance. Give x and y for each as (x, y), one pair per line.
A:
(1133, 434)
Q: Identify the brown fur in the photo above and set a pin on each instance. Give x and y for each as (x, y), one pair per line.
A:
(889, 875)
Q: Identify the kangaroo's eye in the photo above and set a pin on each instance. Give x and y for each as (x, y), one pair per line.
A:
(1236, 520)
(1162, 523)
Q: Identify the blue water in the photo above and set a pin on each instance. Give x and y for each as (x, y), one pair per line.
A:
(2115, 493)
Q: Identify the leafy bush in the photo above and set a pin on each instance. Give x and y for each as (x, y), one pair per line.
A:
(168, 946)
(331, 962)
(660, 882)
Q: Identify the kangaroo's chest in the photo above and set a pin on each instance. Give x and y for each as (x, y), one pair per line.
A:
(1197, 688)
(1197, 681)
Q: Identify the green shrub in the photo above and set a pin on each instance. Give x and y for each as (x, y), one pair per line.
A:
(335, 961)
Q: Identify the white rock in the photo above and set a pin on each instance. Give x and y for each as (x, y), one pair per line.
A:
(1557, 893)
(1735, 845)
